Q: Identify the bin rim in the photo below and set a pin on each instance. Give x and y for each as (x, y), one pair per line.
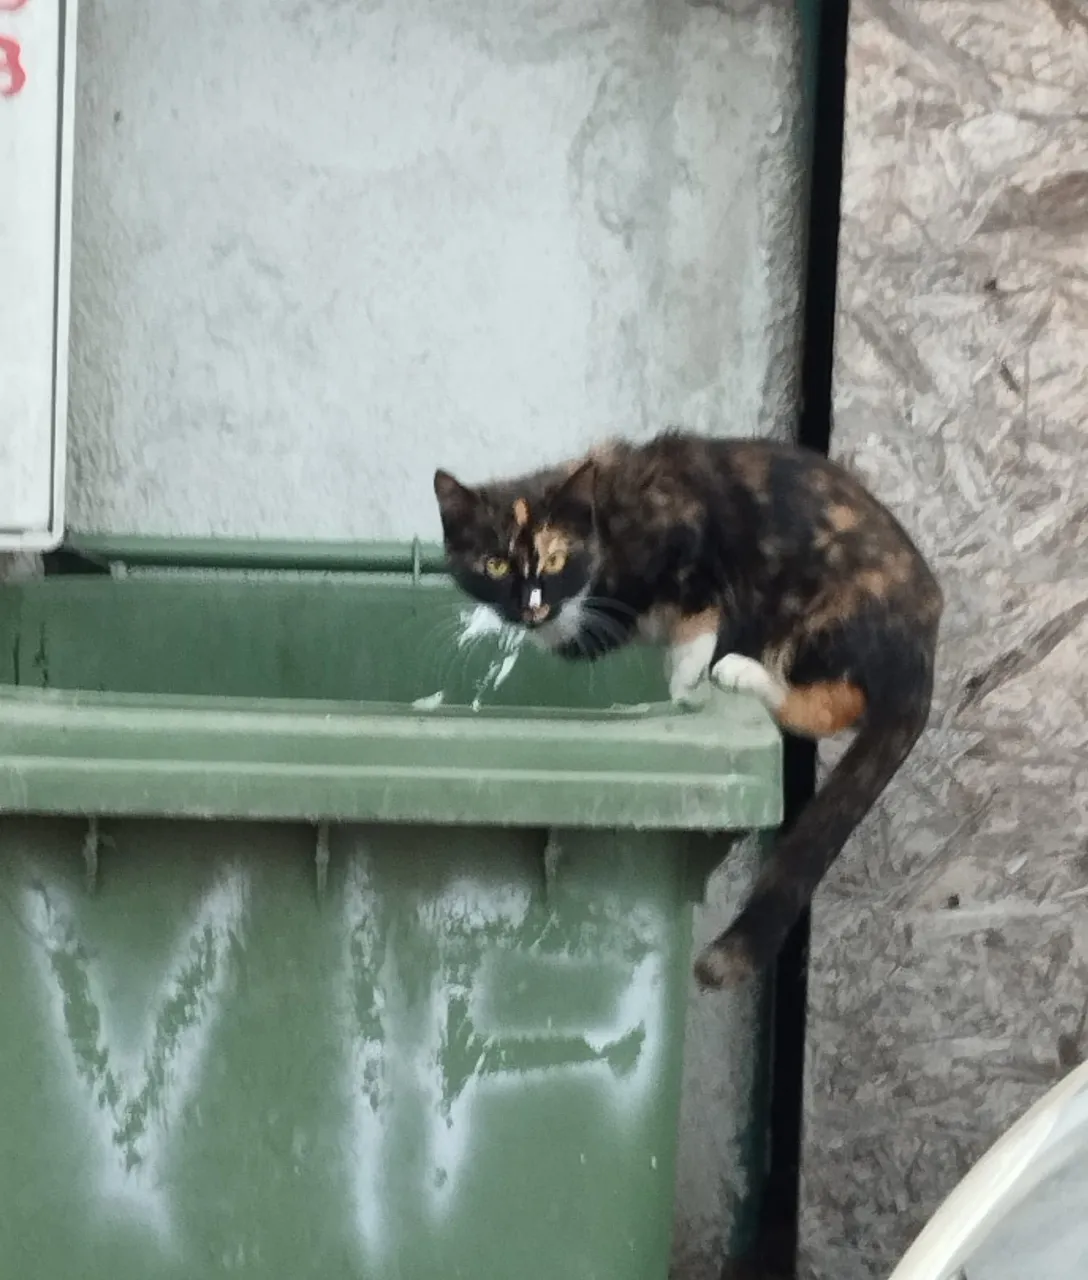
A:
(87, 753)
(645, 765)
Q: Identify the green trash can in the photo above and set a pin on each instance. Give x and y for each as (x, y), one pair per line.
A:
(310, 972)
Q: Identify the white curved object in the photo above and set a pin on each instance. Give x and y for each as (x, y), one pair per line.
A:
(1047, 1144)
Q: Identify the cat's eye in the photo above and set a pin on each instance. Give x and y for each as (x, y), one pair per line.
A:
(496, 568)
(553, 562)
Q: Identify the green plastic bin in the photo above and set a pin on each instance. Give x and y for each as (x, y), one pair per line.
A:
(299, 979)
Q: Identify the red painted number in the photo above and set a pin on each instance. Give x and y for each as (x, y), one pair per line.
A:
(11, 68)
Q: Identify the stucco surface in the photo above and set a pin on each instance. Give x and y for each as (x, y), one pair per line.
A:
(336, 244)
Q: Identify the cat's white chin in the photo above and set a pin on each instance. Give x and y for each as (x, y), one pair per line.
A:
(563, 628)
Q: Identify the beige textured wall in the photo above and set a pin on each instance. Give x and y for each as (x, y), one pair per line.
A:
(950, 952)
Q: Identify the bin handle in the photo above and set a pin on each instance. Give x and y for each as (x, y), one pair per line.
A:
(412, 556)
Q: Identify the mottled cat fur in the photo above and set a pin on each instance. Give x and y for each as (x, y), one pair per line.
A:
(763, 567)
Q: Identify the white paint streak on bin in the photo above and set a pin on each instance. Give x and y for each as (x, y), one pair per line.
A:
(130, 1091)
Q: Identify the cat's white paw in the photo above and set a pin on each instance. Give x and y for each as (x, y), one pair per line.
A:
(687, 666)
(737, 674)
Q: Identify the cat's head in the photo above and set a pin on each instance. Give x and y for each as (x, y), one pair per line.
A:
(529, 551)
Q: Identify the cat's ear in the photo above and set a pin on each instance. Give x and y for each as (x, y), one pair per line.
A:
(456, 502)
(574, 498)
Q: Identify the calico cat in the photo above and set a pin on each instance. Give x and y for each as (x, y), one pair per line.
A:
(762, 567)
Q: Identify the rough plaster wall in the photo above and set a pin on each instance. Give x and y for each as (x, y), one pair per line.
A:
(950, 949)
(321, 246)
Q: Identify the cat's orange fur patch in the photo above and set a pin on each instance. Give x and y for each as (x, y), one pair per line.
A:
(842, 518)
(693, 625)
(753, 467)
(547, 540)
(820, 710)
(602, 455)
(521, 513)
(874, 581)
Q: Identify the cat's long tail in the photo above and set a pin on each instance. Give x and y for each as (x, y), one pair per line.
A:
(801, 856)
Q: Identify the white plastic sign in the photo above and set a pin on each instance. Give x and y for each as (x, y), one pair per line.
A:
(37, 82)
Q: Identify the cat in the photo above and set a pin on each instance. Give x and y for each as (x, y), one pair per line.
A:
(764, 568)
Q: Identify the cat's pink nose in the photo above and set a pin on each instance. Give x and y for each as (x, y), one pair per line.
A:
(537, 615)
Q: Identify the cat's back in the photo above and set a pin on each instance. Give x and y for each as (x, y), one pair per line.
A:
(770, 471)
(783, 503)
(828, 518)
(785, 482)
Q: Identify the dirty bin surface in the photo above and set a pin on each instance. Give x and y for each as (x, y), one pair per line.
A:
(311, 973)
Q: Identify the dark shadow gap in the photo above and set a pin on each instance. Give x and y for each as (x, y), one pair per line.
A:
(779, 1224)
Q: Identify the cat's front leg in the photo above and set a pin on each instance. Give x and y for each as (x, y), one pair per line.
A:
(736, 673)
(691, 645)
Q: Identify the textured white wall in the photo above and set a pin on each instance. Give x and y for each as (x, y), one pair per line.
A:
(321, 246)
